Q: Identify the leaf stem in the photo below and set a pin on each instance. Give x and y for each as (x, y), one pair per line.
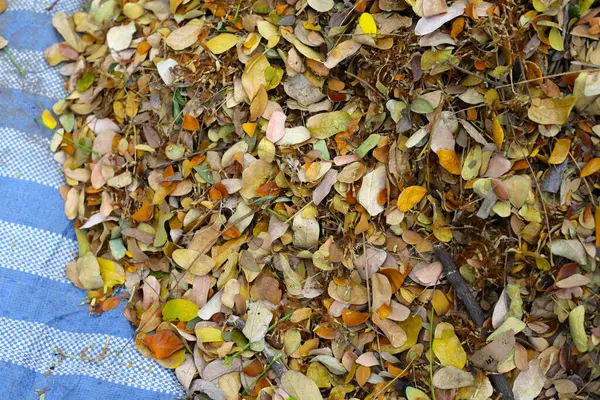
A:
(263, 373)
(15, 63)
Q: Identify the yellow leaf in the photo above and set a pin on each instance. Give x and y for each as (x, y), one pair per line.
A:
(259, 103)
(221, 43)
(48, 120)
(173, 361)
(498, 133)
(449, 160)
(410, 197)
(131, 105)
(179, 309)
(447, 347)
(591, 167)
(209, 335)
(556, 40)
(560, 151)
(367, 24)
(551, 111)
(112, 272)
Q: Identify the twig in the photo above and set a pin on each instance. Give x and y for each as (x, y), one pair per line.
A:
(547, 77)
(431, 353)
(377, 92)
(51, 6)
(473, 308)
(12, 59)
(466, 71)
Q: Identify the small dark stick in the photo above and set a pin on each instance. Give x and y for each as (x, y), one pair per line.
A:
(473, 308)
(270, 354)
(51, 6)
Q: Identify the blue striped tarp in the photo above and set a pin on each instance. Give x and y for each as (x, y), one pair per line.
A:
(40, 311)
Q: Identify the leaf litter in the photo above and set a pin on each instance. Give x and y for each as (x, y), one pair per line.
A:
(327, 199)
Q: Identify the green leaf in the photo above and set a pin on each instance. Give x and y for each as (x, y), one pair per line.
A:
(179, 309)
(321, 145)
(82, 241)
(332, 364)
(516, 303)
(577, 327)
(421, 106)
(86, 81)
(273, 76)
(67, 121)
(368, 145)
(161, 233)
(324, 125)
(203, 171)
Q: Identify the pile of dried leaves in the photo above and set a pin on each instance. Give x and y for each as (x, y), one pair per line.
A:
(278, 187)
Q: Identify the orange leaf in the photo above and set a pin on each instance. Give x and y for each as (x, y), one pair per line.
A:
(470, 11)
(498, 133)
(395, 371)
(354, 318)
(361, 5)
(472, 114)
(457, 27)
(410, 197)
(269, 188)
(519, 165)
(190, 123)
(591, 167)
(253, 369)
(384, 311)
(168, 172)
(110, 304)
(143, 48)
(232, 233)
(325, 332)
(260, 385)
(533, 72)
(560, 151)
(249, 128)
(215, 194)
(144, 213)
(449, 160)
(362, 374)
(480, 65)
(395, 277)
(163, 344)
(221, 188)
(382, 197)
(550, 88)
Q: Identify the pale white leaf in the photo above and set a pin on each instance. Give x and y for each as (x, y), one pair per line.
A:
(259, 317)
(429, 24)
(372, 184)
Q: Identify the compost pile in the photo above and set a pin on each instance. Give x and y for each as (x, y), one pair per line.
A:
(326, 199)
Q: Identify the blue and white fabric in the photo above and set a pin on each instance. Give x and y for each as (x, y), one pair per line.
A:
(40, 311)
